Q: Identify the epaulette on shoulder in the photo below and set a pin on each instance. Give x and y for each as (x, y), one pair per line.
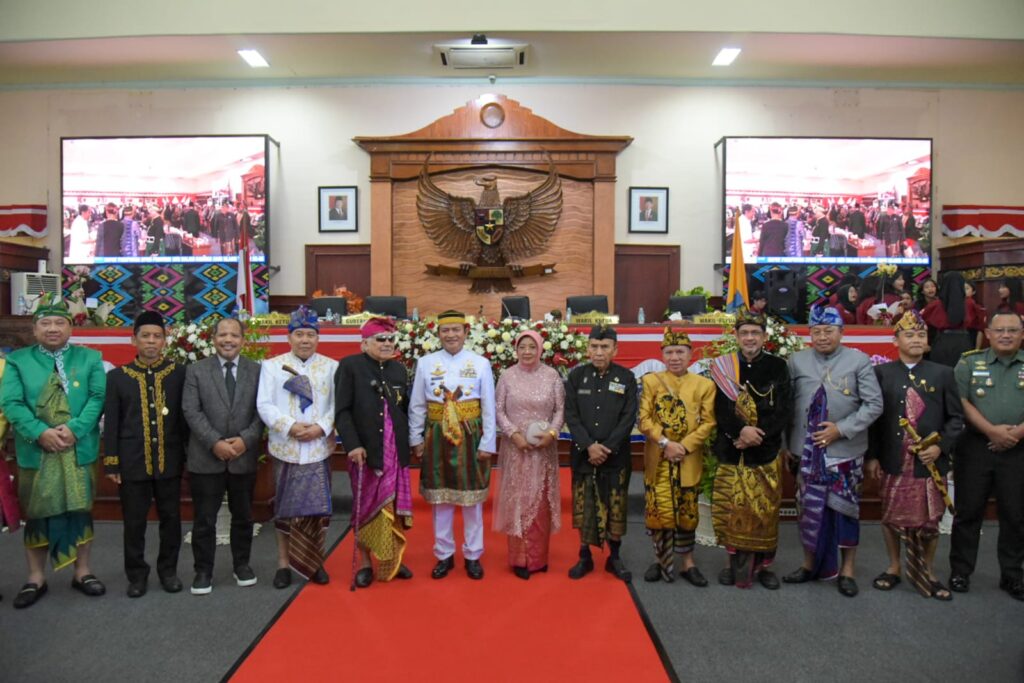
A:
(973, 352)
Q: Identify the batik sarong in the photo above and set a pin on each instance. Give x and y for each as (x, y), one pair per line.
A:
(57, 497)
(451, 472)
(745, 515)
(829, 498)
(383, 506)
(303, 509)
(599, 504)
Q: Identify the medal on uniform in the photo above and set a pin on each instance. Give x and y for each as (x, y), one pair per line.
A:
(980, 392)
(988, 382)
(437, 391)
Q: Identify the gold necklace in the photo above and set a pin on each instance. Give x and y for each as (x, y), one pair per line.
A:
(770, 394)
(843, 387)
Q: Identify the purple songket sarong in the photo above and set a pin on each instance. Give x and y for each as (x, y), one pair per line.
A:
(379, 524)
(829, 498)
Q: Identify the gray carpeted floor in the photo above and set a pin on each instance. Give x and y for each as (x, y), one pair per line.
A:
(799, 633)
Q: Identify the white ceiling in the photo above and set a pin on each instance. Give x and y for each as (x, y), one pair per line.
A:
(769, 58)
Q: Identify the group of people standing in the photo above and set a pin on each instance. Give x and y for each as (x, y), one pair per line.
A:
(826, 413)
(170, 230)
(829, 228)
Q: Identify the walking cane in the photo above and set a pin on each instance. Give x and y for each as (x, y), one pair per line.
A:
(355, 526)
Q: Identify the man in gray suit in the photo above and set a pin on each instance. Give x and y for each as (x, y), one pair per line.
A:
(220, 407)
(836, 398)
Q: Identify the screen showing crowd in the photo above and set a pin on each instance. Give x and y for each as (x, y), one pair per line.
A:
(839, 200)
(165, 199)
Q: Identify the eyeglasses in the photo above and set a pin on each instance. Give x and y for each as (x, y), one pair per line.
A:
(1000, 331)
(384, 338)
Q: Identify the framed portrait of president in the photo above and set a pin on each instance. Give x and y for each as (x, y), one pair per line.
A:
(339, 208)
(648, 209)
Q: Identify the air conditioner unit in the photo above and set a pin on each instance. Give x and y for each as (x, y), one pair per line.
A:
(491, 56)
(26, 288)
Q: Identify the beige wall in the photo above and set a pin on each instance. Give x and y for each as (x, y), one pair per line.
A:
(979, 142)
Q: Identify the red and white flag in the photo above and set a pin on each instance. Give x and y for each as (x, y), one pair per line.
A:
(243, 289)
(23, 219)
(962, 220)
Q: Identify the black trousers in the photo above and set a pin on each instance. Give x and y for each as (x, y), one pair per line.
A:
(978, 473)
(136, 499)
(207, 496)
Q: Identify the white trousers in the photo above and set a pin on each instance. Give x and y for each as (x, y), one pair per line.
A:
(444, 534)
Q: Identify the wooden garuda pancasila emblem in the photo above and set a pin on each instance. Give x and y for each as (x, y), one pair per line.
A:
(490, 236)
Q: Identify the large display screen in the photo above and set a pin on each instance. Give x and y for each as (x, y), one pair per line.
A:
(164, 199)
(832, 200)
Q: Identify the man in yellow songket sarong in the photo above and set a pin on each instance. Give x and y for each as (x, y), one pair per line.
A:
(676, 416)
(752, 409)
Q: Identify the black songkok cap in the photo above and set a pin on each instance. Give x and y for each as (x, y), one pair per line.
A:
(603, 332)
(148, 318)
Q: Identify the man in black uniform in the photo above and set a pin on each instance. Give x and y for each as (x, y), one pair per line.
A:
(144, 437)
(924, 395)
(990, 455)
(371, 396)
(753, 404)
(600, 409)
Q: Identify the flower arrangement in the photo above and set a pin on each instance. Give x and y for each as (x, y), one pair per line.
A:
(189, 342)
(563, 347)
(778, 341)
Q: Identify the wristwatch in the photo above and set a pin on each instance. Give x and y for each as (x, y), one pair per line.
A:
(662, 442)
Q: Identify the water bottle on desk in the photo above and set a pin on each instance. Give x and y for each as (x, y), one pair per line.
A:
(415, 314)
(329, 315)
(568, 314)
(640, 318)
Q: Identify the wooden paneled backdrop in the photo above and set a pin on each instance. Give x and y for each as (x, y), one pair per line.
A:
(518, 148)
(571, 248)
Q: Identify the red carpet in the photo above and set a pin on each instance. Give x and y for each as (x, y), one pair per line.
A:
(500, 629)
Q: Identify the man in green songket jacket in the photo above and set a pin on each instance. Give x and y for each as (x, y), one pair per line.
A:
(53, 394)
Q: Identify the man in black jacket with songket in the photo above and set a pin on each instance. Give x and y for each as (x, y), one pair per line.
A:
(371, 399)
(910, 446)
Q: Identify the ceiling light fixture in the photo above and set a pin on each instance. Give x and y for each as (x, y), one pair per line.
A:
(726, 57)
(253, 58)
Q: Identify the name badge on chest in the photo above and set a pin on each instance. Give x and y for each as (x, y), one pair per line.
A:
(617, 387)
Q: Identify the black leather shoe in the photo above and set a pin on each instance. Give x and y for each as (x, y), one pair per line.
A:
(321, 578)
(616, 567)
(959, 583)
(89, 585)
(403, 572)
(847, 586)
(136, 589)
(29, 594)
(474, 569)
(171, 584)
(727, 577)
(1015, 587)
(581, 568)
(694, 576)
(364, 577)
(522, 572)
(769, 580)
(653, 573)
(801, 575)
(202, 584)
(282, 578)
(442, 567)
(245, 576)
